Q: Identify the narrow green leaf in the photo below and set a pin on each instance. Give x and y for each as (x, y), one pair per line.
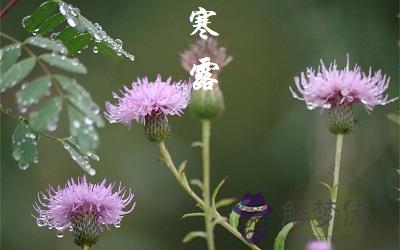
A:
(234, 219)
(193, 215)
(81, 159)
(224, 202)
(317, 230)
(198, 183)
(326, 185)
(62, 62)
(216, 191)
(25, 141)
(197, 144)
(82, 129)
(81, 99)
(78, 43)
(16, 73)
(106, 50)
(395, 117)
(39, 16)
(9, 56)
(51, 24)
(279, 243)
(47, 116)
(182, 167)
(195, 234)
(46, 43)
(31, 93)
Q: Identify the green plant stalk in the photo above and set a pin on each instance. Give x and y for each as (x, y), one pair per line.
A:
(335, 187)
(217, 217)
(85, 248)
(206, 130)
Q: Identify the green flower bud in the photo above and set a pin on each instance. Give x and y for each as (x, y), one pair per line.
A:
(207, 104)
(157, 127)
(341, 119)
(85, 229)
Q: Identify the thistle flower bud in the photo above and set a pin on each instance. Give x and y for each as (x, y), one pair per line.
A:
(85, 229)
(341, 119)
(156, 127)
(207, 104)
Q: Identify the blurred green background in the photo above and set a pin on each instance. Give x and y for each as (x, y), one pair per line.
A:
(266, 141)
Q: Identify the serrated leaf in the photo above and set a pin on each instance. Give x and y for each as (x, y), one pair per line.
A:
(195, 234)
(193, 215)
(82, 129)
(16, 73)
(9, 56)
(395, 117)
(51, 24)
(32, 92)
(39, 16)
(279, 243)
(65, 63)
(216, 191)
(47, 116)
(81, 99)
(234, 219)
(25, 141)
(224, 202)
(317, 230)
(81, 159)
(78, 43)
(106, 50)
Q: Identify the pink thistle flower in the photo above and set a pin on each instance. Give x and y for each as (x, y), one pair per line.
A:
(205, 48)
(319, 245)
(148, 99)
(80, 202)
(332, 87)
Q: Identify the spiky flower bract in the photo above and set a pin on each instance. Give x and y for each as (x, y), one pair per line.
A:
(206, 104)
(319, 245)
(338, 89)
(83, 208)
(150, 103)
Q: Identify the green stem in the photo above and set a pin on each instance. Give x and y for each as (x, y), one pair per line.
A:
(180, 177)
(85, 248)
(206, 130)
(335, 187)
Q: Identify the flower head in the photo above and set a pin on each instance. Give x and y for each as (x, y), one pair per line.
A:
(331, 87)
(205, 48)
(147, 99)
(81, 205)
(319, 245)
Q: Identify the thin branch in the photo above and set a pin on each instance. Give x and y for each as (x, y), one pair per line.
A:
(7, 8)
(8, 112)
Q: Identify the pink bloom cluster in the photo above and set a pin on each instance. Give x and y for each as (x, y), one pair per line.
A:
(57, 207)
(330, 87)
(148, 98)
(319, 245)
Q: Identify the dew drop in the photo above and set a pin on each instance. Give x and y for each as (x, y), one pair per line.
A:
(23, 165)
(95, 50)
(60, 234)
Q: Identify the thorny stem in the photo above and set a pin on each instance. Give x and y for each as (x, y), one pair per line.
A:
(206, 130)
(8, 112)
(7, 8)
(335, 187)
(181, 178)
